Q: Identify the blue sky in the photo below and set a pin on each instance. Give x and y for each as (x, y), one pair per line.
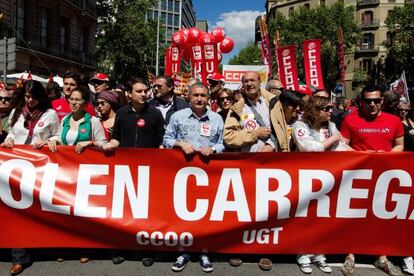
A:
(237, 17)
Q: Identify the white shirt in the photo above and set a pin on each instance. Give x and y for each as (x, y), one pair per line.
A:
(46, 127)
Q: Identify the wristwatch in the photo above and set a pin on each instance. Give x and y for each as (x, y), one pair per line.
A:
(214, 150)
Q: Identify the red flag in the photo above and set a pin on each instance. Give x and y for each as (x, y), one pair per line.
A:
(29, 76)
(197, 62)
(168, 68)
(176, 54)
(210, 55)
(265, 45)
(276, 43)
(312, 60)
(287, 67)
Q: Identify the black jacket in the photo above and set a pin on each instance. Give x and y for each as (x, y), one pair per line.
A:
(178, 104)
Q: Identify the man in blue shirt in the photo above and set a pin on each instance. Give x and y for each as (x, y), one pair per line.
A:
(195, 129)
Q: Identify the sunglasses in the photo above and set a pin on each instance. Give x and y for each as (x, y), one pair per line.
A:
(375, 101)
(224, 98)
(6, 99)
(103, 103)
(327, 108)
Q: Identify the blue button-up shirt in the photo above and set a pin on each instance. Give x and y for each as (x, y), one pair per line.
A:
(185, 126)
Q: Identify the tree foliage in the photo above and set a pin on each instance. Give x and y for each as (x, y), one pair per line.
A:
(125, 41)
(320, 23)
(249, 55)
(400, 42)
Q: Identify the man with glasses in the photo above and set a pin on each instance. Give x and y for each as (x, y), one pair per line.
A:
(372, 130)
(248, 125)
(216, 84)
(5, 108)
(275, 87)
(165, 100)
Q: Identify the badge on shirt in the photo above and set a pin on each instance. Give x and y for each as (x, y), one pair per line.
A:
(41, 124)
(301, 132)
(205, 129)
(83, 130)
(141, 123)
(250, 124)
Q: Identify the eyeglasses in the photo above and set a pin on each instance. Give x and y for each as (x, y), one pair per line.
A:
(327, 108)
(375, 101)
(157, 86)
(99, 103)
(404, 110)
(213, 82)
(222, 99)
(6, 99)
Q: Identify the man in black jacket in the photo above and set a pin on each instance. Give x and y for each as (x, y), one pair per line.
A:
(165, 100)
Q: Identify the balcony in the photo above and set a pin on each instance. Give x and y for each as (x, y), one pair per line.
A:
(370, 24)
(366, 48)
(85, 6)
(407, 2)
(367, 3)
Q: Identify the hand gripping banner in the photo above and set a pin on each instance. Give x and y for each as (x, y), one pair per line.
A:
(287, 62)
(265, 203)
(312, 60)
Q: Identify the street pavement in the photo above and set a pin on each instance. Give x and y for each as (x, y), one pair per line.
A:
(282, 265)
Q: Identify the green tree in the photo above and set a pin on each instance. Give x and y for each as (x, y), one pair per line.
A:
(400, 42)
(249, 55)
(125, 41)
(320, 23)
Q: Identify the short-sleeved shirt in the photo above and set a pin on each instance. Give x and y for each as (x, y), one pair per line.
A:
(378, 134)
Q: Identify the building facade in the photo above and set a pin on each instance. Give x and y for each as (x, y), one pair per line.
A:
(173, 15)
(369, 14)
(52, 36)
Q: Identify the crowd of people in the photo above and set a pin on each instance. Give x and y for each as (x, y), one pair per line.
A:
(204, 119)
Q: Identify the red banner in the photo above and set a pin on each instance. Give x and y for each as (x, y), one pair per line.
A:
(312, 60)
(211, 62)
(263, 203)
(168, 62)
(287, 62)
(197, 63)
(265, 45)
(176, 54)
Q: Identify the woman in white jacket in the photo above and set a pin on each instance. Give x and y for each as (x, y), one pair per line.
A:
(315, 132)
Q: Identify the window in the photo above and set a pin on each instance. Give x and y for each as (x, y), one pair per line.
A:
(307, 5)
(171, 5)
(43, 27)
(177, 6)
(368, 41)
(291, 9)
(170, 19)
(64, 35)
(323, 2)
(367, 65)
(367, 18)
(176, 20)
(21, 14)
(163, 4)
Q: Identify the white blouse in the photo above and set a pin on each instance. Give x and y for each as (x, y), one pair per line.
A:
(46, 127)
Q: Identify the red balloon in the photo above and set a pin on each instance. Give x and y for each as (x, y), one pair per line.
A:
(219, 33)
(179, 38)
(194, 35)
(227, 45)
(207, 38)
